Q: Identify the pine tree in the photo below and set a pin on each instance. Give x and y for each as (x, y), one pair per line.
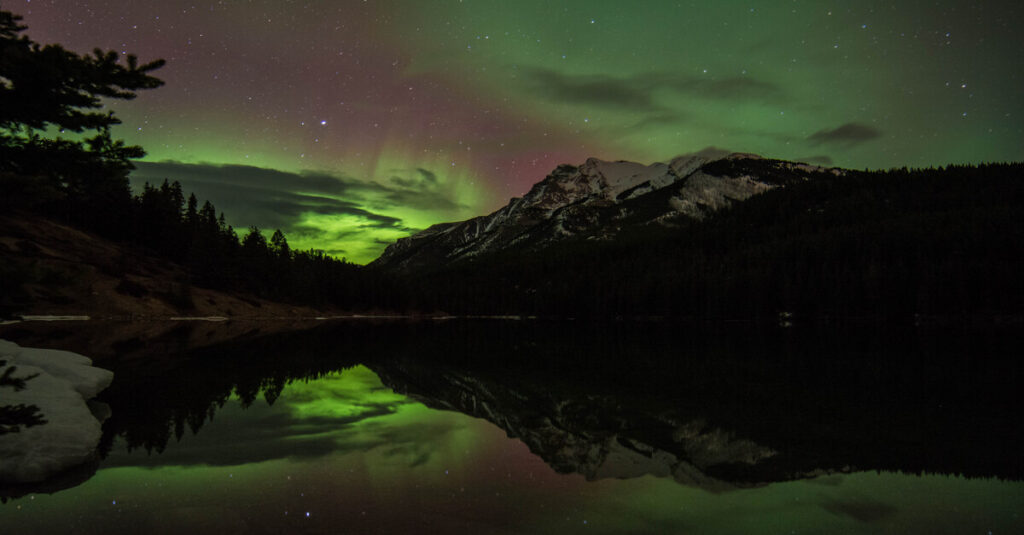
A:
(279, 245)
(47, 88)
(192, 213)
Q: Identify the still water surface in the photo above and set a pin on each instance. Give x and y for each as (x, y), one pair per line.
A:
(417, 440)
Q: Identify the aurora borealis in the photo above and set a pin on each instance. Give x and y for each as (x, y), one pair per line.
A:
(348, 124)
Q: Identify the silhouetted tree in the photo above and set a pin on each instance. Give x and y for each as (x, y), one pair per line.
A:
(58, 156)
(279, 245)
(46, 89)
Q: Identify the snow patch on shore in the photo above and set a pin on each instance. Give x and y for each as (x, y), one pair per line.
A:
(64, 384)
(50, 317)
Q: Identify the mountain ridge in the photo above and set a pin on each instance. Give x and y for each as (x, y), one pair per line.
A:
(597, 200)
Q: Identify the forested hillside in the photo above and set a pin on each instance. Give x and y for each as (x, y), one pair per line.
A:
(898, 243)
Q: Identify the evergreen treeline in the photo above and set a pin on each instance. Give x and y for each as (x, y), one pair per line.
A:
(57, 157)
(898, 243)
(199, 239)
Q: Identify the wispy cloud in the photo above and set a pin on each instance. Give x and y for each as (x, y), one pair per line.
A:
(267, 197)
(592, 90)
(848, 134)
(821, 159)
(639, 92)
(275, 197)
(271, 199)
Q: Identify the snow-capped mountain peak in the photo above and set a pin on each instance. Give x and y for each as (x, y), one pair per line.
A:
(598, 199)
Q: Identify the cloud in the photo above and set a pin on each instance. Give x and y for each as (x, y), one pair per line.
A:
(710, 152)
(296, 202)
(848, 134)
(271, 198)
(734, 88)
(404, 182)
(267, 197)
(253, 177)
(427, 175)
(639, 92)
(656, 120)
(593, 90)
(419, 188)
(818, 160)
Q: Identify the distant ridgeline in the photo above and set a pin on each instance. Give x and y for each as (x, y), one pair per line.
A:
(734, 237)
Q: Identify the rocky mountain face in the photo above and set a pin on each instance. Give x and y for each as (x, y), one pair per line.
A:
(598, 200)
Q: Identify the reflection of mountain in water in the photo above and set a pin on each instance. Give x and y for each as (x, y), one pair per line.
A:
(718, 408)
(712, 407)
(591, 435)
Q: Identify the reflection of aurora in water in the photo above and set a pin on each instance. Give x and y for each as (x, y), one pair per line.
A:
(344, 452)
(342, 412)
(249, 436)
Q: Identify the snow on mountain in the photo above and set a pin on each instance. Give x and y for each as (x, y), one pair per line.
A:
(597, 200)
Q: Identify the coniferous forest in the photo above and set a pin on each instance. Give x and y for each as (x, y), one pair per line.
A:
(899, 243)
(59, 160)
(885, 244)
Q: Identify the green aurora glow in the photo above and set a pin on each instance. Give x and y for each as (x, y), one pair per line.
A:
(486, 97)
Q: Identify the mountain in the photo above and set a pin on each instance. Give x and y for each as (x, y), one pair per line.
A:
(598, 200)
(615, 239)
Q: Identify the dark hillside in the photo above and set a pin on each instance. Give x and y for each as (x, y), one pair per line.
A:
(885, 244)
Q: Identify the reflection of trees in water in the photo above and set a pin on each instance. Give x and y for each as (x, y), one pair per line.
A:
(876, 398)
(150, 408)
(13, 418)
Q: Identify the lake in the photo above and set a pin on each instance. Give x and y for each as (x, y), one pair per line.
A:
(545, 427)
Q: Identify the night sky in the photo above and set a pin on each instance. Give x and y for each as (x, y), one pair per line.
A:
(349, 124)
